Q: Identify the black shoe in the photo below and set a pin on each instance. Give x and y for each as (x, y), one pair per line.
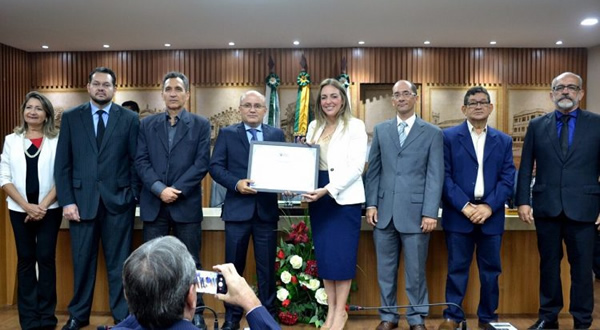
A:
(229, 325)
(74, 324)
(198, 321)
(542, 324)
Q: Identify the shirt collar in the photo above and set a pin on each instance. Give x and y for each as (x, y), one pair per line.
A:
(95, 108)
(559, 114)
(258, 128)
(472, 128)
(409, 122)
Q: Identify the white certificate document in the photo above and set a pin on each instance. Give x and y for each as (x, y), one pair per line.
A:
(280, 166)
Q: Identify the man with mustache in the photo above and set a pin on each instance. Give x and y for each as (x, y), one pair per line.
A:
(96, 185)
(565, 144)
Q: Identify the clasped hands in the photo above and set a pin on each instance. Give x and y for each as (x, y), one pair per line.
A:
(34, 212)
(477, 213)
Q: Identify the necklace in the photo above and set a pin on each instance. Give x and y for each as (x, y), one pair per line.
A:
(36, 153)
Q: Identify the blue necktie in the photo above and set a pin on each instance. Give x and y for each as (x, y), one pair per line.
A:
(253, 132)
(100, 128)
(401, 132)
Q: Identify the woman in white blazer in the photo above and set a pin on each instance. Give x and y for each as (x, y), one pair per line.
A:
(335, 207)
(27, 177)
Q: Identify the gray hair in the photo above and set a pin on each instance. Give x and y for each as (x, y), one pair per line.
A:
(156, 279)
(248, 93)
(175, 74)
(564, 74)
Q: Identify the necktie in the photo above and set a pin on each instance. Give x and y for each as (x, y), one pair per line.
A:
(100, 128)
(253, 132)
(401, 132)
(564, 134)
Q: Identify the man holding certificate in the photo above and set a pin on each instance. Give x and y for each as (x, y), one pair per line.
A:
(247, 212)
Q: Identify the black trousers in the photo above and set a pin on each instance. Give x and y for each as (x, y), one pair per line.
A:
(578, 237)
(36, 244)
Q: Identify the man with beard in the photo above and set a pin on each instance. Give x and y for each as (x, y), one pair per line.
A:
(96, 186)
(565, 144)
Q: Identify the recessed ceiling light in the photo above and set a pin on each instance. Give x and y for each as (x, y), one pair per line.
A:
(167, 45)
(589, 21)
(492, 42)
(296, 42)
(559, 42)
(361, 42)
(45, 46)
(106, 46)
(231, 43)
(427, 42)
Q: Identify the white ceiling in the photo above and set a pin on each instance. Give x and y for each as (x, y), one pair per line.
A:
(85, 25)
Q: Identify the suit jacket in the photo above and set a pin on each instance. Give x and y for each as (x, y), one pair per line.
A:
(405, 183)
(461, 173)
(13, 168)
(183, 166)
(229, 164)
(84, 172)
(345, 159)
(568, 183)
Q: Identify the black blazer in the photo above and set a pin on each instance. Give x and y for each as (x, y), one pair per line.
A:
(569, 183)
(84, 173)
(229, 164)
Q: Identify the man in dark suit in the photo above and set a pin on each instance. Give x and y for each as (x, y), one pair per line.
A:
(565, 144)
(247, 212)
(403, 191)
(479, 180)
(172, 159)
(96, 185)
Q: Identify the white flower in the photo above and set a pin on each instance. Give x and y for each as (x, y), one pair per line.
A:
(286, 277)
(313, 284)
(282, 294)
(321, 296)
(296, 261)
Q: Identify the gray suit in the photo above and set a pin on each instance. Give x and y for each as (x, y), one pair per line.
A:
(404, 184)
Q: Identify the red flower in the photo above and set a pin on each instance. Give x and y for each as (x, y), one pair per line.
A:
(294, 279)
(311, 268)
(298, 234)
(286, 303)
(276, 266)
(280, 254)
(288, 318)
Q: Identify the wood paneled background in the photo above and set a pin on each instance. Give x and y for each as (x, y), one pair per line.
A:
(21, 71)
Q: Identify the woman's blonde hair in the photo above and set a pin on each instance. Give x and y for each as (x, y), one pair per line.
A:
(48, 128)
(345, 114)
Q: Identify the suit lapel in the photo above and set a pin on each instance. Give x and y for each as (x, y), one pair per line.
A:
(161, 131)
(87, 122)
(392, 132)
(243, 137)
(466, 141)
(550, 127)
(182, 128)
(491, 142)
(415, 131)
(582, 125)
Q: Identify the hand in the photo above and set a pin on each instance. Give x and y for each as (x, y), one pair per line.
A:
(71, 212)
(481, 213)
(34, 212)
(428, 224)
(169, 195)
(468, 210)
(238, 291)
(525, 213)
(314, 196)
(598, 222)
(371, 216)
(243, 187)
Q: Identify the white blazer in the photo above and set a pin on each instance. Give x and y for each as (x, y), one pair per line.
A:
(13, 167)
(345, 160)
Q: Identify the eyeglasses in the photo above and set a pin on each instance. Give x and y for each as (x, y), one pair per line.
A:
(570, 88)
(478, 103)
(249, 106)
(405, 94)
(97, 84)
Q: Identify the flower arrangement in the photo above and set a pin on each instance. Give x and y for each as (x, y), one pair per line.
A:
(300, 293)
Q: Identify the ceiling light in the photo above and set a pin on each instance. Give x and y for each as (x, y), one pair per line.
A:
(589, 21)
(427, 42)
(231, 43)
(361, 42)
(167, 45)
(492, 42)
(45, 46)
(106, 46)
(296, 42)
(559, 42)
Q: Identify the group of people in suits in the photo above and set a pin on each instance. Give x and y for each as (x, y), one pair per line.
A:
(104, 161)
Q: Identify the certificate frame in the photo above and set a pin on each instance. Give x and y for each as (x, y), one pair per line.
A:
(280, 166)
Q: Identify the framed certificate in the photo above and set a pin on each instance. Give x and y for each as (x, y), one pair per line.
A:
(279, 166)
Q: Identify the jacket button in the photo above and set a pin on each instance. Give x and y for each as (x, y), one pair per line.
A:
(331, 169)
